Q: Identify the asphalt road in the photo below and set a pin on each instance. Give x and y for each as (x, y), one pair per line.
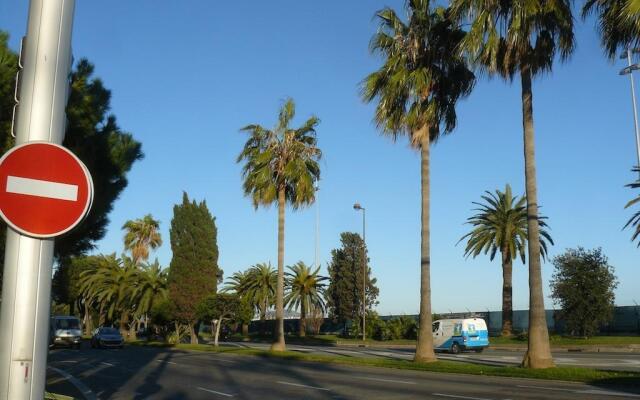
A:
(151, 373)
(607, 361)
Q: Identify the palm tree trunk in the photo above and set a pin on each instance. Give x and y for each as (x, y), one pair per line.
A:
(507, 293)
(424, 347)
(279, 344)
(263, 320)
(302, 331)
(88, 327)
(245, 330)
(538, 354)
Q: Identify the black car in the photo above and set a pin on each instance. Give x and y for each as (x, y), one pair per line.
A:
(107, 337)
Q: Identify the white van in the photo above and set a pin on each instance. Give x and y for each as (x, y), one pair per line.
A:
(65, 330)
(455, 335)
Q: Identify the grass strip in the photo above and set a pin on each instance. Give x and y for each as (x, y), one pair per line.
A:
(573, 374)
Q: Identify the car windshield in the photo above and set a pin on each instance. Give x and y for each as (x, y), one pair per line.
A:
(435, 326)
(70, 323)
(109, 331)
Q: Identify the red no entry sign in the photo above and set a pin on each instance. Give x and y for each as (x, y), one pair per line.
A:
(45, 190)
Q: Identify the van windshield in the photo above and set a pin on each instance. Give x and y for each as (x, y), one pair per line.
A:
(70, 323)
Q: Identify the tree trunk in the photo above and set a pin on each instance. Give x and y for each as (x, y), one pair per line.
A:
(302, 329)
(424, 347)
(279, 344)
(218, 324)
(193, 334)
(123, 324)
(101, 317)
(88, 327)
(507, 293)
(538, 354)
(245, 330)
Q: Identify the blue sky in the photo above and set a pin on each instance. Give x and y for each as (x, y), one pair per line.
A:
(185, 76)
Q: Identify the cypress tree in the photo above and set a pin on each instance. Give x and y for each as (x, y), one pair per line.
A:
(193, 272)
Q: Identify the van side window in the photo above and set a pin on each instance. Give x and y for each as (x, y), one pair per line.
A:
(436, 326)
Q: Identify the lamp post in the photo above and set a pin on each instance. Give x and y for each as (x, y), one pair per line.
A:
(628, 70)
(358, 207)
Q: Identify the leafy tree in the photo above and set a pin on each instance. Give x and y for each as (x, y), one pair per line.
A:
(501, 225)
(583, 285)
(522, 37)
(217, 308)
(634, 221)
(141, 235)
(92, 134)
(422, 78)
(344, 293)
(305, 291)
(618, 23)
(281, 166)
(193, 273)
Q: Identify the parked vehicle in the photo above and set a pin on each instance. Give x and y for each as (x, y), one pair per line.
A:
(455, 335)
(107, 337)
(65, 330)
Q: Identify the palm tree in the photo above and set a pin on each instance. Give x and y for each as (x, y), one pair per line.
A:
(501, 225)
(261, 287)
(150, 288)
(618, 23)
(634, 221)
(141, 235)
(417, 88)
(506, 38)
(239, 283)
(306, 291)
(281, 166)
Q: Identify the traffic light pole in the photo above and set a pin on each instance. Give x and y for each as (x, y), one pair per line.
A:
(42, 90)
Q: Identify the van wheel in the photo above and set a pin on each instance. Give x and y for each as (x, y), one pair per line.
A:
(455, 348)
(479, 350)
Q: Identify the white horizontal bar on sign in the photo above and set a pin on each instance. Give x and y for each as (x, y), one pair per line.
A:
(40, 188)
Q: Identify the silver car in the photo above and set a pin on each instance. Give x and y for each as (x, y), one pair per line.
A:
(107, 337)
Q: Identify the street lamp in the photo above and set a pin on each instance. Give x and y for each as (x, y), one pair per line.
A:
(358, 207)
(628, 70)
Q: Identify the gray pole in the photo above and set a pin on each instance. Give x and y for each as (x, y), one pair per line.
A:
(364, 278)
(26, 292)
(635, 107)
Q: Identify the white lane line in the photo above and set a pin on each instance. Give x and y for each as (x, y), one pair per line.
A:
(168, 362)
(453, 396)
(40, 188)
(107, 364)
(589, 391)
(299, 385)
(67, 361)
(86, 392)
(384, 380)
(214, 392)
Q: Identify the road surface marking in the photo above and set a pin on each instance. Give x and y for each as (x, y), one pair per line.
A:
(86, 392)
(214, 392)
(384, 380)
(40, 188)
(107, 364)
(168, 362)
(589, 391)
(299, 385)
(453, 396)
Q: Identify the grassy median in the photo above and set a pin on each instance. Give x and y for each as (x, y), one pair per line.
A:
(573, 374)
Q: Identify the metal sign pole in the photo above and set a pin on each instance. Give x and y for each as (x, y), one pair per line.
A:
(42, 95)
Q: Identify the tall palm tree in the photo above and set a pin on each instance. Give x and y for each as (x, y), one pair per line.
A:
(634, 221)
(306, 291)
(506, 38)
(417, 87)
(141, 235)
(501, 225)
(618, 23)
(281, 166)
